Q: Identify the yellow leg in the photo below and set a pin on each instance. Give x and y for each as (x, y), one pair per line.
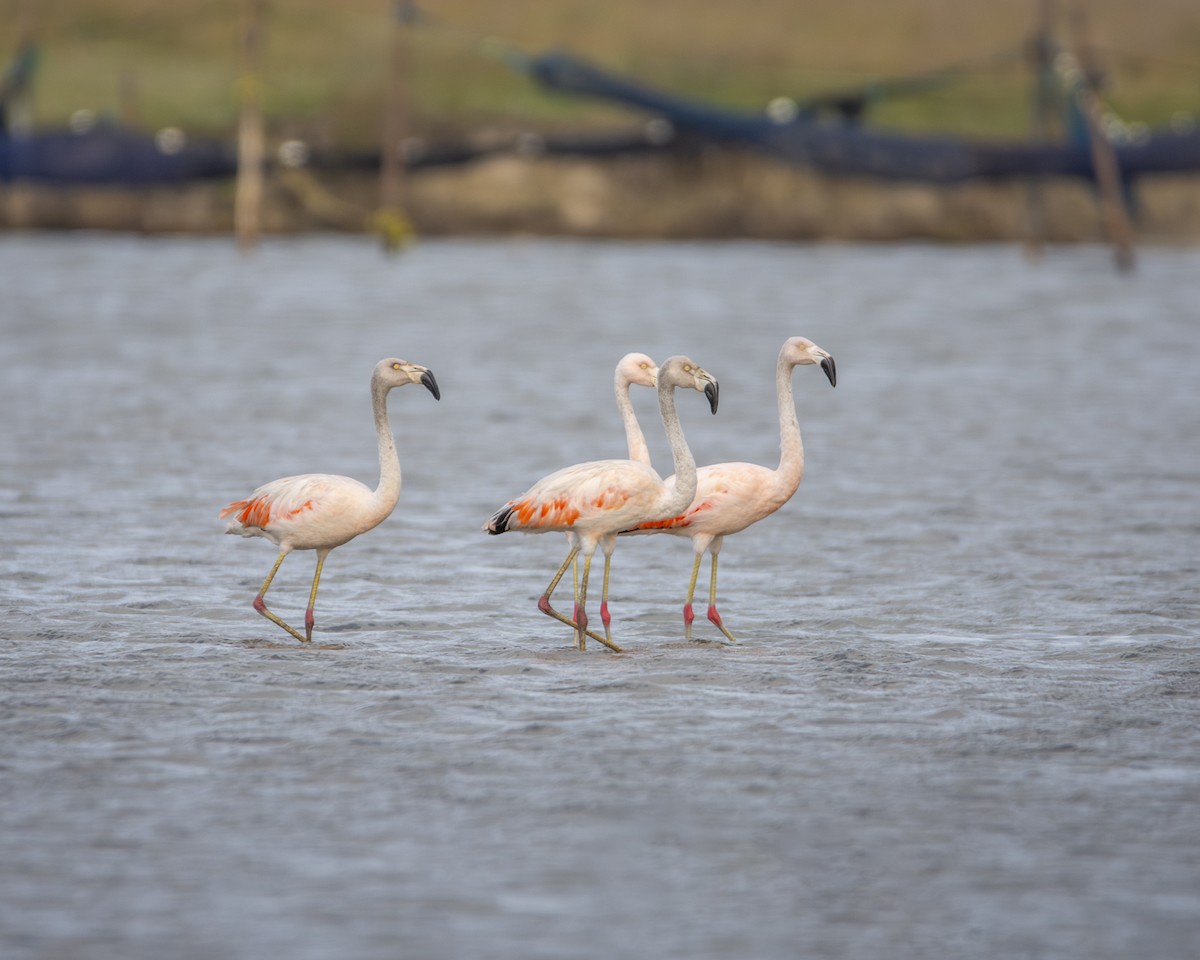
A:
(713, 616)
(581, 629)
(260, 603)
(312, 597)
(604, 615)
(688, 614)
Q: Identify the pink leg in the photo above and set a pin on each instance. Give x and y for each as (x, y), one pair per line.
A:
(605, 617)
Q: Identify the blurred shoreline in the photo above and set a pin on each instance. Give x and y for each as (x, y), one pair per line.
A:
(715, 194)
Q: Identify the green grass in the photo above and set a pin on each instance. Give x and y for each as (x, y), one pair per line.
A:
(326, 63)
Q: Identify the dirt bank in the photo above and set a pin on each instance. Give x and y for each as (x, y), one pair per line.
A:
(714, 194)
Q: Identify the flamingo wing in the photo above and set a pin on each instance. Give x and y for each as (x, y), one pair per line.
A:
(597, 492)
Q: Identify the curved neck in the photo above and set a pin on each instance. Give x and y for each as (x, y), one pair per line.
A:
(680, 496)
(388, 491)
(638, 450)
(791, 446)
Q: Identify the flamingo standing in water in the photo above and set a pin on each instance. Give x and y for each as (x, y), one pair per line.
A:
(320, 511)
(600, 498)
(732, 496)
(639, 369)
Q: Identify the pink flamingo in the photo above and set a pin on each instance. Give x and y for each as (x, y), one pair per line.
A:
(598, 499)
(639, 369)
(320, 511)
(732, 496)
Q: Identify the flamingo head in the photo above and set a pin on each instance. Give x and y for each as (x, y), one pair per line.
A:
(683, 372)
(396, 373)
(638, 369)
(801, 350)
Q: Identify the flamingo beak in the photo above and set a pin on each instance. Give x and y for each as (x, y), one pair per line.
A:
(431, 384)
(830, 369)
(713, 392)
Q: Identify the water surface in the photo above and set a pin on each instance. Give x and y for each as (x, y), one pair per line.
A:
(962, 720)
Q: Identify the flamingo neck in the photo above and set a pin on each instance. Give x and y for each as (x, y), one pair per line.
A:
(638, 450)
(679, 496)
(388, 491)
(791, 446)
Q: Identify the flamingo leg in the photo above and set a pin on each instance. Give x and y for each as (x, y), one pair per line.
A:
(575, 578)
(688, 614)
(312, 597)
(546, 608)
(713, 616)
(260, 603)
(605, 616)
(581, 630)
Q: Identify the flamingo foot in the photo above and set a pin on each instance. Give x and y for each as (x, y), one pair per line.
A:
(260, 605)
(543, 604)
(715, 618)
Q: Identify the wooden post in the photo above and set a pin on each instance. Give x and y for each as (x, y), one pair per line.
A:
(1113, 212)
(130, 101)
(390, 220)
(1042, 55)
(247, 202)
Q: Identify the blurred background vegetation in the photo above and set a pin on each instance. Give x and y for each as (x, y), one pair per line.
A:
(326, 64)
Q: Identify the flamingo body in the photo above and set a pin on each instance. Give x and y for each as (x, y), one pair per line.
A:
(729, 498)
(321, 511)
(308, 511)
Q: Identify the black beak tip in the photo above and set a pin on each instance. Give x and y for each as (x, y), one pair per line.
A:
(830, 369)
(713, 392)
(431, 385)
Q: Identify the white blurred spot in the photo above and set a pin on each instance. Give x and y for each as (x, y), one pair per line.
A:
(170, 140)
(82, 121)
(782, 110)
(293, 153)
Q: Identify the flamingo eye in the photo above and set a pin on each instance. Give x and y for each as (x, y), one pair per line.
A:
(395, 366)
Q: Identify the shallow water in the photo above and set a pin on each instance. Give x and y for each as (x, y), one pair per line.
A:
(962, 720)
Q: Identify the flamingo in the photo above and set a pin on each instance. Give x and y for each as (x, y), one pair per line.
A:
(594, 500)
(639, 369)
(732, 496)
(320, 511)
